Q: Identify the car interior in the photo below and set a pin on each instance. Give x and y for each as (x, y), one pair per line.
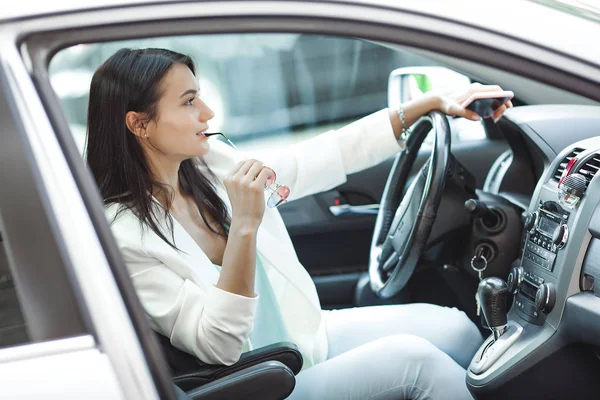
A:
(514, 206)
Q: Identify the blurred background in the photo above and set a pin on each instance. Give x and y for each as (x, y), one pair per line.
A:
(267, 90)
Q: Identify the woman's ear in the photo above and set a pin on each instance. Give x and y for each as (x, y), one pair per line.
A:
(136, 124)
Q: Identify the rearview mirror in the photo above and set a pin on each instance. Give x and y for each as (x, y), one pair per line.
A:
(405, 84)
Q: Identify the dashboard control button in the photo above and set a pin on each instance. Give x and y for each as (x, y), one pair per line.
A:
(530, 221)
(515, 277)
(545, 297)
(560, 237)
(538, 280)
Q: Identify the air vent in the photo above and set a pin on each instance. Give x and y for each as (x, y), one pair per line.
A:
(563, 164)
(591, 167)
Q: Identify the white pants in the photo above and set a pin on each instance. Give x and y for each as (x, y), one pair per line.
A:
(409, 351)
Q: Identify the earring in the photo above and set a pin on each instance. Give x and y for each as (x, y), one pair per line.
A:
(145, 135)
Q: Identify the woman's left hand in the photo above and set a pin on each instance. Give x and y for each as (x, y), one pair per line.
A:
(450, 103)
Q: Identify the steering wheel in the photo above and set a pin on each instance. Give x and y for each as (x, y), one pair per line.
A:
(404, 221)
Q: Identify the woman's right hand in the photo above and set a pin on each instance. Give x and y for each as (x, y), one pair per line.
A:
(450, 102)
(245, 185)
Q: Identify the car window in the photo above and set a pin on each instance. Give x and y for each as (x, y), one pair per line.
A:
(267, 90)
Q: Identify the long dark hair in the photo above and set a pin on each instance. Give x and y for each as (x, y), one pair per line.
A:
(130, 81)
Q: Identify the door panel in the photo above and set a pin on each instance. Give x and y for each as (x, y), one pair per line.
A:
(70, 369)
(335, 250)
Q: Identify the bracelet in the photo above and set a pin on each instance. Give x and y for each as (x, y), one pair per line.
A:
(405, 131)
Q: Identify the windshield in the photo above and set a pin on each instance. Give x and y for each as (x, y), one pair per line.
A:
(589, 9)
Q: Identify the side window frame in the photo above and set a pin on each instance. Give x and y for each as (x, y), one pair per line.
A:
(37, 260)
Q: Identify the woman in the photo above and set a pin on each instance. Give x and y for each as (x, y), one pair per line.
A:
(217, 273)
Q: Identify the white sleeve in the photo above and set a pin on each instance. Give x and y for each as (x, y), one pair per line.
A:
(202, 320)
(323, 162)
(212, 324)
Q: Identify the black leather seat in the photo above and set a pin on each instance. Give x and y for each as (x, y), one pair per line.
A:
(264, 373)
(269, 380)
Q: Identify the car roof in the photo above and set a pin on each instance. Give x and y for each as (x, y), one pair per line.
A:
(526, 20)
(464, 10)
(23, 10)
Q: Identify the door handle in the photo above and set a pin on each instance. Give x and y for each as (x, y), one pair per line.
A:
(347, 209)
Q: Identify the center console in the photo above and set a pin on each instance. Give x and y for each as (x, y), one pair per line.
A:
(556, 238)
(533, 282)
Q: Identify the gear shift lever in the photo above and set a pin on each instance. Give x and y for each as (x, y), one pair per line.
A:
(492, 293)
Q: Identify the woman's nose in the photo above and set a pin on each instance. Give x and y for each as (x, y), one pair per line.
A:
(206, 113)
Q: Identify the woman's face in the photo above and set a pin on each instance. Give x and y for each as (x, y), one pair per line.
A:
(181, 117)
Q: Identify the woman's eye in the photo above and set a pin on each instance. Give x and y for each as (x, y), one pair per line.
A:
(190, 102)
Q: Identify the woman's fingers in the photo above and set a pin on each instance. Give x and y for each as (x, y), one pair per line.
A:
(245, 189)
(468, 114)
(253, 172)
(272, 176)
(451, 104)
(244, 172)
(244, 169)
(237, 167)
(263, 177)
(498, 113)
(473, 116)
(455, 109)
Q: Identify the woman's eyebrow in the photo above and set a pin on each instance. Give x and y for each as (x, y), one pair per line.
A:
(189, 91)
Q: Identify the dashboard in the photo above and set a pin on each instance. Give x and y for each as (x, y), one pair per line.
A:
(556, 281)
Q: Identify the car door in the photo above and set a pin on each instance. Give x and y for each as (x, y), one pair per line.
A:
(46, 343)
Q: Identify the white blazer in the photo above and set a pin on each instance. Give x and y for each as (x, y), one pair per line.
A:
(177, 289)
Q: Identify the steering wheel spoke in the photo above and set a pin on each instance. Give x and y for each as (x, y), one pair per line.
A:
(390, 262)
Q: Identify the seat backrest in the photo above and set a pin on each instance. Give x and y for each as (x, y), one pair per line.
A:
(180, 362)
(13, 330)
